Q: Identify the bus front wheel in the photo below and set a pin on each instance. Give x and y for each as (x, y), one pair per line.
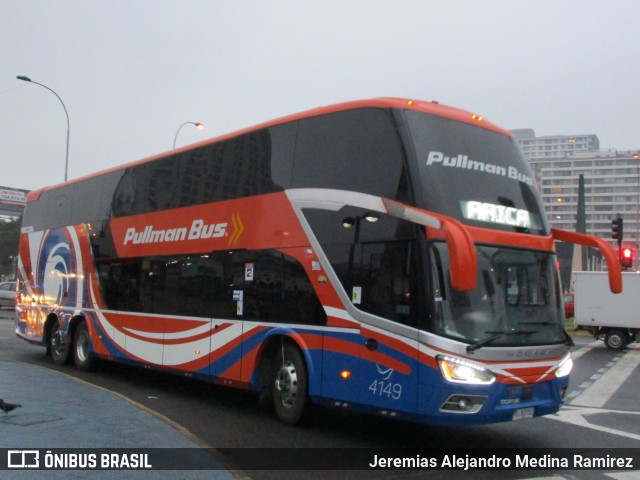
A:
(289, 385)
(83, 356)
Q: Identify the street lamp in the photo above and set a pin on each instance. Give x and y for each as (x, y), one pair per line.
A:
(66, 158)
(198, 125)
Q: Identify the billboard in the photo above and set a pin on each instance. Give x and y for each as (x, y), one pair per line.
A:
(12, 201)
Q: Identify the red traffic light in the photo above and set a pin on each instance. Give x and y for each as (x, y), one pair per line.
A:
(626, 257)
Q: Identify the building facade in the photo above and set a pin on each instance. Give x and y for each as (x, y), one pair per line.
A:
(611, 181)
(612, 184)
(555, 146)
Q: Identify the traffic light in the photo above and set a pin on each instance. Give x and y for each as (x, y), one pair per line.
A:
(616, 229)
(626, 257)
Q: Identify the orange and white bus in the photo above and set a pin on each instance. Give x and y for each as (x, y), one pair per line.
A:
(387, 256)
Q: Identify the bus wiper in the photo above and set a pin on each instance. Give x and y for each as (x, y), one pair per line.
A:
(496, 336)
(567, 338)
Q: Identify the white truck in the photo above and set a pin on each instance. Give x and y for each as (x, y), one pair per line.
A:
(614, 318)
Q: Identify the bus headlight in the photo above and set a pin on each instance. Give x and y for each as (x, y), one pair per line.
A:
(456, 370)
(565, 367)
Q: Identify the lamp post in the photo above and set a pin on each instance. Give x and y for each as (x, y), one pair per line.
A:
(198, 125)
(66, 158)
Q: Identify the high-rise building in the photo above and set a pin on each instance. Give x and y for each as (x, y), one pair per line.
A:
(554, 146)
(611, 179)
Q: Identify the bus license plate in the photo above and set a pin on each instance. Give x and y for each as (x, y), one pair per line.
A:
(522, 413)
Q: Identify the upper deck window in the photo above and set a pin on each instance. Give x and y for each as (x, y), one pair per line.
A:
(358, 150)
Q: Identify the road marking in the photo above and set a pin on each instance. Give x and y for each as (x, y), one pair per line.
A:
(623, 475)
(604, 386)
(594, 394)
(547, 478)
(576, 354)
(576, 416)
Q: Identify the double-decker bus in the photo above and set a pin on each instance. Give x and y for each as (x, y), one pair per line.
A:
(387, 256)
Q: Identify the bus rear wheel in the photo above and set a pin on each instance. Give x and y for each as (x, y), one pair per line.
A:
(57, 346)
(289, 385)
(83, 356)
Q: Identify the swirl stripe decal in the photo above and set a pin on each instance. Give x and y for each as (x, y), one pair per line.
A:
(167, 354)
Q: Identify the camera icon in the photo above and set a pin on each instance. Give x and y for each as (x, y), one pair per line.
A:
(23, 459)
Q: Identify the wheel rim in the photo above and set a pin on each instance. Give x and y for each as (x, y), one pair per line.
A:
(82, 346)
(615, 341)
(57, 345)
(287, 384)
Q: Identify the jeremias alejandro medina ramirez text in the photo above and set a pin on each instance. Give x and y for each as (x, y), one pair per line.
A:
(470, 462)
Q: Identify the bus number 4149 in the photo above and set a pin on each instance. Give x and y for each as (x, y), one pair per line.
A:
(388, 389)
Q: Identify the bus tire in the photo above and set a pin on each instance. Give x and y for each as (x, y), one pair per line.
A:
(83, 356)
(58, 348)
(289, 385)
(615, 340)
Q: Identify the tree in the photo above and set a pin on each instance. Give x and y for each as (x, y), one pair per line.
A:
(9, 240)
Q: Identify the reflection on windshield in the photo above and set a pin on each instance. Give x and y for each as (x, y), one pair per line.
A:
(516, 301)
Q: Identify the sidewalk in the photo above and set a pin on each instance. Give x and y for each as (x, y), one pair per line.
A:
(59, 411)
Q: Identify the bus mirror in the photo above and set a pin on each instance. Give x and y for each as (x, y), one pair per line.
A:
(609, 254)
(462, 254)
(463, 262)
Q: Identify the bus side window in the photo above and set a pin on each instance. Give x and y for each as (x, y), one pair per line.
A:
(375, 259)
(275, 288)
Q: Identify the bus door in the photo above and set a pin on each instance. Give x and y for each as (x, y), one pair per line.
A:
(375, 258)
(386, 288)
(389, 369)
(224, 293)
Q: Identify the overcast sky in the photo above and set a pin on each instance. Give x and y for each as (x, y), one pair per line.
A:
(130, 72)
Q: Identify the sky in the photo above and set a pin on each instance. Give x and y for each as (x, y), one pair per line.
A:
(131, 72)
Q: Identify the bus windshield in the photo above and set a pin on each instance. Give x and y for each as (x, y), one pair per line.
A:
(516, 302)
(474, 175)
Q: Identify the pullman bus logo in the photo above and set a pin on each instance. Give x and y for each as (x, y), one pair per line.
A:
(199, 230)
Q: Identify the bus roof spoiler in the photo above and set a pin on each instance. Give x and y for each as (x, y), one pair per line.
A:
(609, 254)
